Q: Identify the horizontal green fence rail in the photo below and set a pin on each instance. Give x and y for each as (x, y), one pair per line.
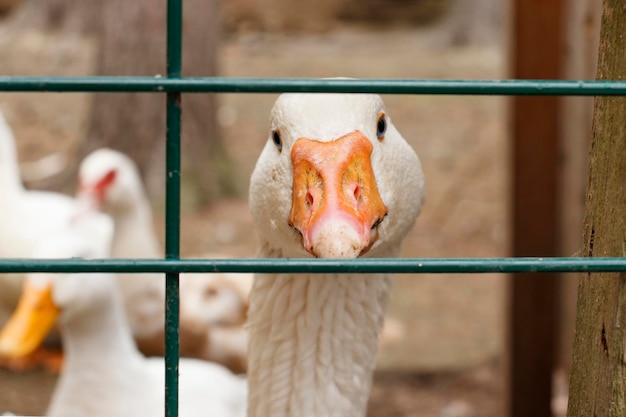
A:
(281, 265)
(158, 84)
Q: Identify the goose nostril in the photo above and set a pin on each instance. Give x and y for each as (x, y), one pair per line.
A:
(357, 192)
(309, 199)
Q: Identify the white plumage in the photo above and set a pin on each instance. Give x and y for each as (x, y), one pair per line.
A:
(335, 179)
(213, 316)
(104, 375)
(26, 217)
(213, 306)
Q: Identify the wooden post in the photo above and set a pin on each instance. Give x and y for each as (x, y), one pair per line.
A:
(581, 56)
(537, 54)
(598, 379)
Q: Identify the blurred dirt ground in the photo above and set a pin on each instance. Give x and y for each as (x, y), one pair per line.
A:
(443, 352)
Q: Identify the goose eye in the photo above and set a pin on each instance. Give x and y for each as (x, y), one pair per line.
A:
(278, 141)
(381, 126)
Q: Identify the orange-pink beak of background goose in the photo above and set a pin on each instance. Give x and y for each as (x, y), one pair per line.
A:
(336, 206)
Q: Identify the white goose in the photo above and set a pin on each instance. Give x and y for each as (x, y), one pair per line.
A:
(115, 189)
(335, 180)
(104, 375)
(213, 306)
(25, 216)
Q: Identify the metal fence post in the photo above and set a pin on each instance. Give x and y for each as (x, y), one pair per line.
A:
(172, 207)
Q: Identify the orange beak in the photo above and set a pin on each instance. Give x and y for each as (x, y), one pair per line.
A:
(35, 315)
(336, 206)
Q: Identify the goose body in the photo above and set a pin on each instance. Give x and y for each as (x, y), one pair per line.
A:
(335, 180)
(26, 217)
(104, 375)
(109, 182)
(213, 306)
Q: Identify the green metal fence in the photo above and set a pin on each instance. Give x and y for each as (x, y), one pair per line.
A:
(173, 85)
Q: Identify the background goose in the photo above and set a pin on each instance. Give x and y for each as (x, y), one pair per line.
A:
(26, 218)
(213, 307)
(335, 180)
(108, 181)
(104, 375)
(216, 305)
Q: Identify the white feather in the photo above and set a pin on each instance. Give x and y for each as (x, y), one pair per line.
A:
(26, 217)
(209, 302)
(104, 375)
(313, 338)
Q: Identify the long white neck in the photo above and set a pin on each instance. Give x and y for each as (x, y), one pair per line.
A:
(10, 181)
(135, 237)
(134, 232)
(102, 360)
(313, 343)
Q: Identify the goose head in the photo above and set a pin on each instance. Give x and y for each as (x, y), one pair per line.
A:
(49, 297)
(335, 179)
(109, 181)
(214, 300)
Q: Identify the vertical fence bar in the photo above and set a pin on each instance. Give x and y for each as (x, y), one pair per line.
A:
(172, 207)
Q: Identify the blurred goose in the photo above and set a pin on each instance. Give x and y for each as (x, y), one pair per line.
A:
(335, 180)
(116, 189)
(216, 306)
(104, 375)
(26, 218)
(213, 306)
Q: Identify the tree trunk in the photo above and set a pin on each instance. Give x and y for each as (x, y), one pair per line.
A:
(597, 384)
(133, 36)
(581, 57)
